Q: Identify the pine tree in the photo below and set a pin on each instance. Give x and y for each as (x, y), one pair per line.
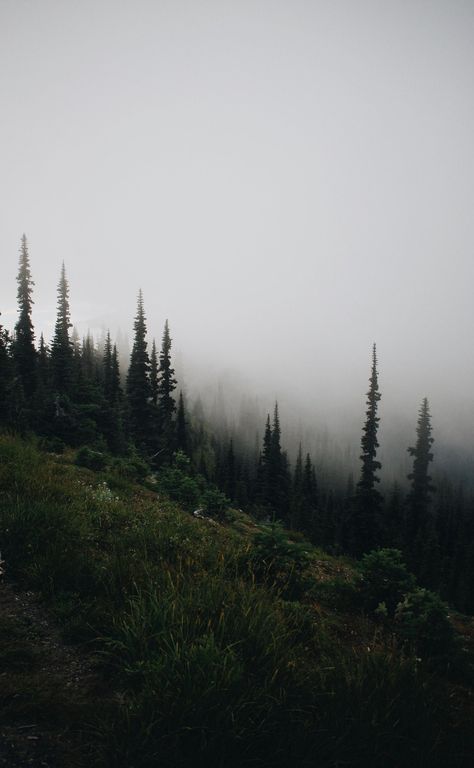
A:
(368, 500)
(181, 427)
(166, 404)
(61, 349)
(6, 378)
(24, 348)
(420, 527)
(297, 495)
(115, 386)
(154, 370)
(138, 382)
(167, 382)
(310, 511)
(107, 367)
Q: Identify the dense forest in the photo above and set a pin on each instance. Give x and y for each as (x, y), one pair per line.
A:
(171, 594)
(71, 392)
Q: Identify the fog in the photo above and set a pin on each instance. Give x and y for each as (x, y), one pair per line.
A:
(287, 181)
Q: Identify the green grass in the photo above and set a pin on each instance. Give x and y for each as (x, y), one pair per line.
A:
(208, 660)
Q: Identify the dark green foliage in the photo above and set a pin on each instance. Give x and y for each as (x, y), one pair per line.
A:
(338, 594)
(368, 501)
(61, 348)
(215, 502)
(385, 579)
(95, 460)
(154, 374)
(273, 477)
(130, 468)
(6, 379)
(273, 553)
(138, 383)
(206, 667)
(181, 427)
(422, 623)
(420, 525)
(24, 348)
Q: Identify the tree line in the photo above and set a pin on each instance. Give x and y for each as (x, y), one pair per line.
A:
(70, 392)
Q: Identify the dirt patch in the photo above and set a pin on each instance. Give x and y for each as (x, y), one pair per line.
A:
(46, 687)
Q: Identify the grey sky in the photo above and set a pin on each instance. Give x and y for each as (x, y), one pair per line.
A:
(287, 181)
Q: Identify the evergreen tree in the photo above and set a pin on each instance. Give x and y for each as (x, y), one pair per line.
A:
(230, 472)
(420, 527)
(167, 382)
(61, 349)
(115, 386)
(297, 495)
(107, 367)
(166, 404)
(310, 511)
(6, 379)
(368, 500)
(154, 371)
(263, 473)
(24, 347)
(181, 427)
(138, 382)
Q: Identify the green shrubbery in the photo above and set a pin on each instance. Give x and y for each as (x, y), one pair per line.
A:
(208, 665)
(421, 621)
(385, 579)
(86, 457)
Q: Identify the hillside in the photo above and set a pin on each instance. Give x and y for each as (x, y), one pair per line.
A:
(135, 634)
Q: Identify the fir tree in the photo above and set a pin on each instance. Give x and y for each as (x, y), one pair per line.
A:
(166, 404)
(167, 382)
(6, 379)
(181, 427)
(297, 495)
(368, 501)
(420, 528)
(24, 347)
(154, 370)
(107, 367)
(61, 349)
(115, 386)
(138, 382)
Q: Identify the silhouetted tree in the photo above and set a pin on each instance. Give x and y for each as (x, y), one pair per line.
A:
(420, 525)
(368, 500)
(138, 382)
(154, 374)
(24, 348)
(167, 382)
(61, 348)
(181, 427)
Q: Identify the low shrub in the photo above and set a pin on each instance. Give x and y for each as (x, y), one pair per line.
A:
(90, 459)
(385, 579)
(422, 623)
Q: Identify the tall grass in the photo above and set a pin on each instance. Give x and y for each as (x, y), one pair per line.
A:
(209, 666)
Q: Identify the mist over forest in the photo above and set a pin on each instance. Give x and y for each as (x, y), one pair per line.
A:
(236, 383)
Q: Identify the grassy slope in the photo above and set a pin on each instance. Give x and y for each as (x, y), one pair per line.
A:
(205, 662)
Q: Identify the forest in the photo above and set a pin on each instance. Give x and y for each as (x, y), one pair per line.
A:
(172, 597)
(71, 392)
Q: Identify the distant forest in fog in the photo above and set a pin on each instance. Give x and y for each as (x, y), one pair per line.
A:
(72, 392)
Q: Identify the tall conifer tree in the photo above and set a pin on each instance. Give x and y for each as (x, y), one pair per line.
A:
(420, 526)
(368, 500)
(167, 382)
(24, 348)
(61, 348)
(181, 426)
(138, 382)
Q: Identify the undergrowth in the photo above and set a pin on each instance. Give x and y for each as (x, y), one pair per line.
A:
(210, 642)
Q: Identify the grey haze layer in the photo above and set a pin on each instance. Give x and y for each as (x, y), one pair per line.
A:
(287, 182)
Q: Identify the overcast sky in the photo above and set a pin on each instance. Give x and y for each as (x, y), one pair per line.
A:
(287, 180)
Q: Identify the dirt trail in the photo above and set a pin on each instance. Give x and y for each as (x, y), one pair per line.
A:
(46, 687)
